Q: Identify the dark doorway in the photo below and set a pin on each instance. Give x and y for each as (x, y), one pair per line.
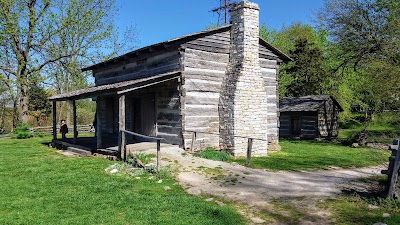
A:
(296, 126)
(145, 115)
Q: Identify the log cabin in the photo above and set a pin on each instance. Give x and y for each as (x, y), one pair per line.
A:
(220, 83)
(309, 117)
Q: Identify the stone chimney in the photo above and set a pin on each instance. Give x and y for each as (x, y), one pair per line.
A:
(243, 102)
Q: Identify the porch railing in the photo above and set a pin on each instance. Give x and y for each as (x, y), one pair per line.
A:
(122, 144)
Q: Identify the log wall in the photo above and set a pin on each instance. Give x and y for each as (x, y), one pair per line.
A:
(192, 104)
(269, 71)
(148, 65)
(167, 111)
(309, 127)
(205, 62)
(328, 119)
(307, 121)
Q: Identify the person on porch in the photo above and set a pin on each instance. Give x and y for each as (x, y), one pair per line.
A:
(63, 129)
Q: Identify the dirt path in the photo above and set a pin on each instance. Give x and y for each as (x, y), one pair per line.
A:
(255, 187)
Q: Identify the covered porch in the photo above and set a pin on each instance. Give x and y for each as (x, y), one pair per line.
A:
(136, 105)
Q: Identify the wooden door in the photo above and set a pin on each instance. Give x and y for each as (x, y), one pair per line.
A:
(296, 125)
(148, 114)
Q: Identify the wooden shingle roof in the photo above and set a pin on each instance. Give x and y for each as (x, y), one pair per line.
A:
(180, 40)
(309, 103)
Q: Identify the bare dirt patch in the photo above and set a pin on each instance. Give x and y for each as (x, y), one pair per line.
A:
(284, 197)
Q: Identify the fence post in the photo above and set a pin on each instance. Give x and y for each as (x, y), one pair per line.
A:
(249, 147)
(394, 174)
(124, 142)
(158, 155)
(119, 143)
(193, 141)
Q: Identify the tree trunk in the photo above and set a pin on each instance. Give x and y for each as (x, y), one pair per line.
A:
(15, 113)
(3, 114)
(24, 99)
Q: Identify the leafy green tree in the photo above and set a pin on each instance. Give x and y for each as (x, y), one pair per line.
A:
(362, 29)
(307, 70)
(285, 38)
(39, 105)
(364, 53)
(35, 34)
(301, 42)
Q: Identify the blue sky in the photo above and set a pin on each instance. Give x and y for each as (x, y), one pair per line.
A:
(160, 20)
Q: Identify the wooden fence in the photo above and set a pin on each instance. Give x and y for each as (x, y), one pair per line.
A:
(49, 129)
(122, 146)
(392, 186)
(249, 143)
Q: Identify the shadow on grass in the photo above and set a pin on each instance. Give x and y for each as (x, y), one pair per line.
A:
(366, 206)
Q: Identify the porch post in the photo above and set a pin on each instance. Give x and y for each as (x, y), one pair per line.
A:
(122, 124)
(98, 131)
(54, 120)
(74, 121)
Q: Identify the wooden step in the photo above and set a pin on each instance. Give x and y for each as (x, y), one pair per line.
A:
(79, 151)
(107, 152)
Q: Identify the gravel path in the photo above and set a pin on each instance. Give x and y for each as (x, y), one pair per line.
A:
(237, 182)
(257, 188)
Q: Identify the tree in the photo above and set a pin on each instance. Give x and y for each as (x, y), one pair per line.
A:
(39, 105)
(301, 42)
(364, 52)
(362, 29)
(9, 97)
(307, 70)
(285, 38)
(36, 34)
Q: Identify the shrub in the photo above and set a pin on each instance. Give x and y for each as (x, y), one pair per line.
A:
(22, 131)
(143, 157)
(211, 153)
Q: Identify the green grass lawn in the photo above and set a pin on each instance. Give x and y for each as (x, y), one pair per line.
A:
(378, 133)
(365, 208)
(39, 186)
(303, 155)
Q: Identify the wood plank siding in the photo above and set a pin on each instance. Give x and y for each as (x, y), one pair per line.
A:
(314, 116)
(167, 113)
(145, 66)
(269, 70)
(190, 104)
(205, 61)
(328, 119)
(204, 64)
(299, 124)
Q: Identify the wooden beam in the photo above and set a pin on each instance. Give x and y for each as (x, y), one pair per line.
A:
(122, 126)
(54, 120)
(99, 142)
(74, 121)
(146, 85)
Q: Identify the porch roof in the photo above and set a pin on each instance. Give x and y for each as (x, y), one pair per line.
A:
(116, 88)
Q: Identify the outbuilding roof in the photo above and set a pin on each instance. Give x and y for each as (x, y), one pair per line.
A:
(309, 103)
